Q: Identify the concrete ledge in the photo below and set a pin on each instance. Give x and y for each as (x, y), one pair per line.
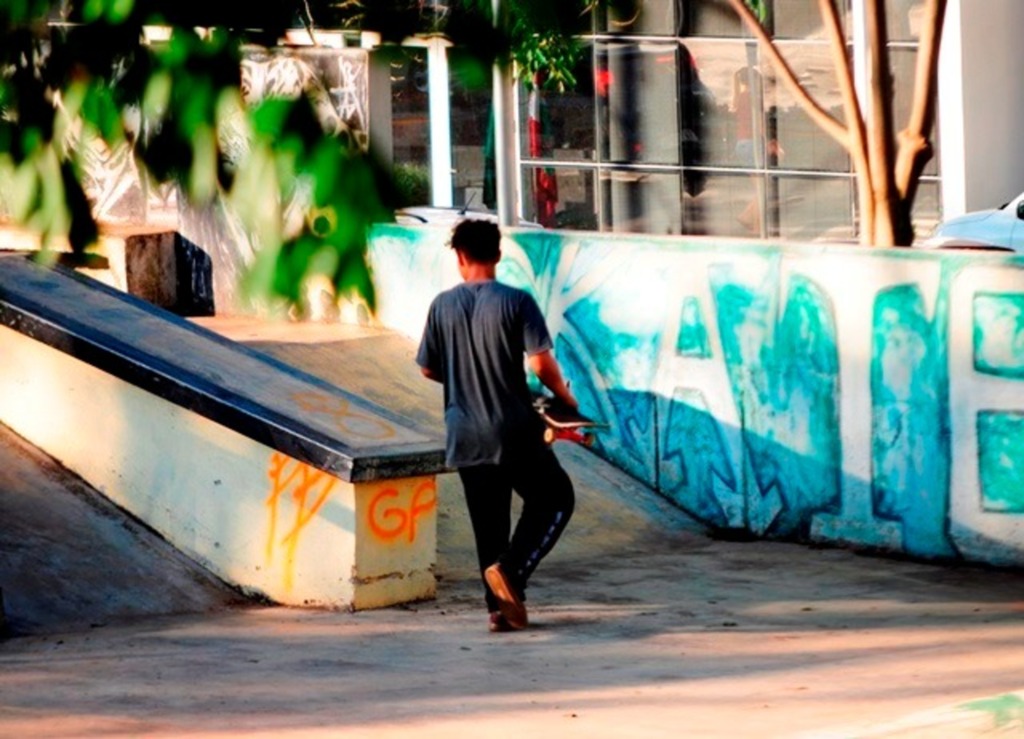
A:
(248, 392)
(159, 266)
(277, 481)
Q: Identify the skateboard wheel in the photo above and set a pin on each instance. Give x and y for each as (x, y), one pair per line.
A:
(549, 436)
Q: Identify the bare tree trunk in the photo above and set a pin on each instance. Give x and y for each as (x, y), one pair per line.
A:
(880, 150)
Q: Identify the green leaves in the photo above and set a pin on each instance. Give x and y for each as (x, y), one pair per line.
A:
(543, 39)
(95, 89)
(43, 193)
(340, 192)
(549, 60)
(15, 13)
(111, 11)
(760, 9)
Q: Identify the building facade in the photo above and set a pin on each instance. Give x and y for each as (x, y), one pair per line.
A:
(679, 123)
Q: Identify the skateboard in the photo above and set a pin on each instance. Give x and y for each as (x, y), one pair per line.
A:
(564, 423)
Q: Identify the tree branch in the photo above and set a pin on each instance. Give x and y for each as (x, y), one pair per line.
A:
(857, 144)
(819, 115)
(307, 21)
(914, 147)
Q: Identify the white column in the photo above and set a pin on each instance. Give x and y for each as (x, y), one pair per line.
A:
(504, 137)
(950, 114)
(980, 105)
(440, 123)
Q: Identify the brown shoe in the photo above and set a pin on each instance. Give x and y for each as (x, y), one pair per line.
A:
(509, 602)
(497, 623)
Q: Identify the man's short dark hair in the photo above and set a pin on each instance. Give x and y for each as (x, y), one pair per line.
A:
(478, 240)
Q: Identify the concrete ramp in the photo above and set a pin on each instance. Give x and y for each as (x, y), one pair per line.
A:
(69, 559)
(284, 485)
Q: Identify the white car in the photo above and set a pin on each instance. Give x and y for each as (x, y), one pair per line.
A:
(420, 214)
(1001, 228)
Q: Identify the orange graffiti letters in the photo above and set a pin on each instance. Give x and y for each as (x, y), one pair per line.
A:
(347, 419)
(309, 489)
(390, 521)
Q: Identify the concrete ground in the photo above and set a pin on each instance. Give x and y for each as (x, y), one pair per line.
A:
(642, 625)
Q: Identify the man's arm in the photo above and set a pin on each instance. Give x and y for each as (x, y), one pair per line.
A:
(546, 368)
(427, 356)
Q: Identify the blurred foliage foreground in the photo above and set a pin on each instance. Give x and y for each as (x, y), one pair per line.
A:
(75, 77)
(76, 73)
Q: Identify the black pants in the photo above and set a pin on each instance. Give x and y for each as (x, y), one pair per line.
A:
(548, 501)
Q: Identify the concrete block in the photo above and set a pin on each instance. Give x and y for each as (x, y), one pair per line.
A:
(169, 271)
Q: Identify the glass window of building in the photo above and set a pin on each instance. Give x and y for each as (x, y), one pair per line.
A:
(805, 208)
(683, 125)
(801, 19)
(637, 89)
(903, 25)
(410, 125)
(561, 197)
(714, 19)
(640, 17)
(470, 104)
(903, 20)
(559, 125)
(794, 140)
(640, 202)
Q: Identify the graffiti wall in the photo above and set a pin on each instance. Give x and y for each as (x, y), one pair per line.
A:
(835, 394)
(125, 200)
(337, 82)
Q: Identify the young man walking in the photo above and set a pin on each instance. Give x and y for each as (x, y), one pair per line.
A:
(475, 341)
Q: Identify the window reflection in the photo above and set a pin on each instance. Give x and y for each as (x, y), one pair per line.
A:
(927, 210)
(808, 208)
(709, 19)
(903, 19)
(728, 206)
(640, 17)
(903, 62)
(560, 197)
(801, 19)
(410, 128)
(640, 202)
(802, 143)
(713, 64)
(470, 113)
(697, 134)
(696, 108)
(637, 93)
(559, 125)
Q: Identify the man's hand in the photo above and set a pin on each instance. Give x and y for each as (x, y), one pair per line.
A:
(430, 374)
(546, 368)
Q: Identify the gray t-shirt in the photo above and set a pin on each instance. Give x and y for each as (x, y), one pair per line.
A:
(476, 339)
